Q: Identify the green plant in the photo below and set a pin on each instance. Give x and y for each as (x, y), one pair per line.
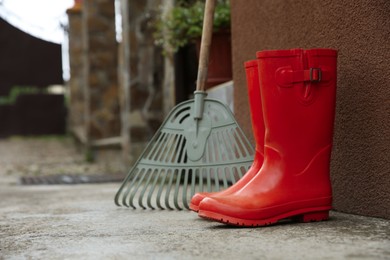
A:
(184, 23)
(16, 91)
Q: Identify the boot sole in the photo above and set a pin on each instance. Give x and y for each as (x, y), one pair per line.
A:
(302, 215)
(194, 207)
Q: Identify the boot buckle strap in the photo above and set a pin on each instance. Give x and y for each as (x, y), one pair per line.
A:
(315, 74)
(286, 77)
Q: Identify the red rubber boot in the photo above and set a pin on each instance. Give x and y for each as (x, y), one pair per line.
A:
(298, 90)
(252, 77)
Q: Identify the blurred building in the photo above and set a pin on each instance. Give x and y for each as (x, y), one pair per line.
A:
(28, 66)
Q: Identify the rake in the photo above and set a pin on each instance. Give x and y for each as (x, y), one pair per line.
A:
(199, 147)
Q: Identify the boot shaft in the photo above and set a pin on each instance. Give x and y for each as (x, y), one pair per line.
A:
(298, 90)
(255, 105)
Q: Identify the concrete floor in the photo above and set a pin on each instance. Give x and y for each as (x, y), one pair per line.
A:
(82, 222)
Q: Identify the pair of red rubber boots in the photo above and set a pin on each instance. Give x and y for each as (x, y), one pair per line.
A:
(292, 102)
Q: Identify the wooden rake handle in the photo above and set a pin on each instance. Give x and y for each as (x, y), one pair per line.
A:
(207, 33)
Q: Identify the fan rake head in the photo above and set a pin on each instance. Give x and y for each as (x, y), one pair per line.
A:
(186, 156)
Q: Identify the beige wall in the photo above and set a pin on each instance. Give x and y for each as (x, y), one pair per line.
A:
(360, 30)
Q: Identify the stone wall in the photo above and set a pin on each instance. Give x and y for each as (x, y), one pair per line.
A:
(94, 106)
(100, 61)
(97, 62)
(76, 81)
(146, 75)
(146, 59)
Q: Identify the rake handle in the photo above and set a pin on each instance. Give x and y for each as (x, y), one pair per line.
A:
(205, 44)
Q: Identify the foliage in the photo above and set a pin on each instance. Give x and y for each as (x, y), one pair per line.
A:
(17, 91)
(184, 23)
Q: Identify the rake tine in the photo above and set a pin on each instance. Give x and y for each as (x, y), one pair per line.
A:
(119, 192)
(149, 200)
(249, 148)
(232, 177)
(202, 182)
(242, 143)
(233, 141)
(235, 148)
(177, 188)
(228, 145)
(193, 181)
(185, 187)
(182, 151)
(160, 147)
(129, 181)
(221, 152)
(222, 146)
(215, 182)
(224, 178)
(170, 150)
(155, 147)
(127, 192)
(234, 174)
(169, 146)
(242, 171)
(162, 151)
(131, 199)
(213, 148)
(178, 148)
(160, 189)
(200, 176)
(245, 143)
(168, 190)
(150, 174)
(208, 177)
(219, 147)
(216, 174)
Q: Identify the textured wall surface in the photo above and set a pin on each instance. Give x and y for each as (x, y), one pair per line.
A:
(101, 53)
(360, 30)
(75, 83)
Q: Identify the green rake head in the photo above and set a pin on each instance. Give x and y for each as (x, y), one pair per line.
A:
(188, 154)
